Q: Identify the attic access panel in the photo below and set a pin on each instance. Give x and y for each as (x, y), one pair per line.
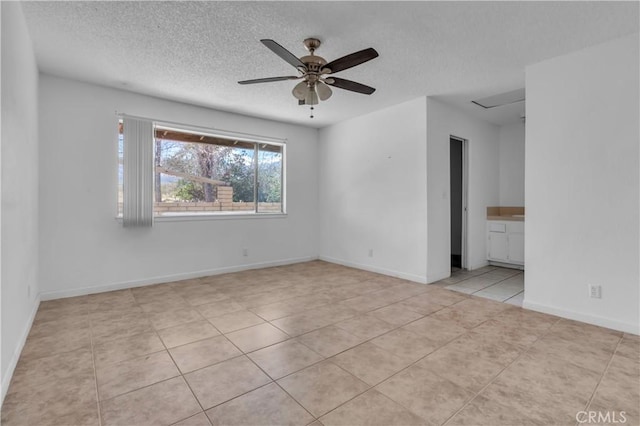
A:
(501, 99)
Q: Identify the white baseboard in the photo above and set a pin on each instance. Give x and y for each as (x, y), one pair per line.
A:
(582, 317)
(478, 265)
(507, 265)
(383, 271)
(7, 375)
(438, 277)
(59, 294)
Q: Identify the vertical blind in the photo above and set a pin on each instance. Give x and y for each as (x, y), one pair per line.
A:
(137, 172)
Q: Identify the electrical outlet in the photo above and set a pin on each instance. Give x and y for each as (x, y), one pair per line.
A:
(370, 252)
(245, 252)
(595, 291)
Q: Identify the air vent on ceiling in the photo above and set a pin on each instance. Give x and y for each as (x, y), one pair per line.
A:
(501, 99)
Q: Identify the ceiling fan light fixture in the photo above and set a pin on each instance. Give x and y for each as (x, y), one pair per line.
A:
(324, 91)
(300, 90)
(311, 97)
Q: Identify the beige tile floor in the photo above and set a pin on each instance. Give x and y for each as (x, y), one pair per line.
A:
(314, 343)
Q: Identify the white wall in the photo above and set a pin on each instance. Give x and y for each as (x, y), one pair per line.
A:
(19, 164)
(388, 171)
(444, 121)
(511, 185)
(373, 191)
(582, 185)
(84, 249)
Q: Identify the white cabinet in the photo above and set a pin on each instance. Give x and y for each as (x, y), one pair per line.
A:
(498, 246)
(516, 248)
(505, 241)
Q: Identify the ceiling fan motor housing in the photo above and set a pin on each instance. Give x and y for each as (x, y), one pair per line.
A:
(314, 63)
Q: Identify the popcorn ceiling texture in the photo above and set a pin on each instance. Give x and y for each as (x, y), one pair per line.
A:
(196, 52)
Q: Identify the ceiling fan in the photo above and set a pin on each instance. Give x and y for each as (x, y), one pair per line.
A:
(316, 73)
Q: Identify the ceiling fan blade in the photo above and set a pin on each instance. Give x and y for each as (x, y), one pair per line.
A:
(267, 80)
(324, 91)
(351, 60)
(283, 53)
(349, 85)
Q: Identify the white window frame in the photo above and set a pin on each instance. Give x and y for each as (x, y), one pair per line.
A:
(224, 134)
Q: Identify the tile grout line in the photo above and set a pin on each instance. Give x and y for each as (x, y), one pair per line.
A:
(515, 295)
(402, 369)
(291, 314)
(296, 401)
(484, 288)
(464, 279)
(266, 374)
(179, 370)
(141, 387)
(499, 373)
(467, 331)
(379, 335)
(593, 394)
(355, 396)
(384, 380)
(489, 272)
(93, 362)
(272, 380)
(502, 300)
(180, 373)
(293, 297)
(295, 339)
(357, 313)
(167, 349)
(242, 353)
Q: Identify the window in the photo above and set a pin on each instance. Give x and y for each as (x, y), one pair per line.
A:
(201, 173)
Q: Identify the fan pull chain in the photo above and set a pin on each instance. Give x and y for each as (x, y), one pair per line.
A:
(311, 116)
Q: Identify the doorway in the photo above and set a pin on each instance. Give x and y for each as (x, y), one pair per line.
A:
(458, 191)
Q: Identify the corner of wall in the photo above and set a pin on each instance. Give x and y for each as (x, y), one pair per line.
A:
(599, 320)
(19, 217)
(13, 362)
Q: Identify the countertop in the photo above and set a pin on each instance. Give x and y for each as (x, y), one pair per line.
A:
(515, 218)
(506, 213)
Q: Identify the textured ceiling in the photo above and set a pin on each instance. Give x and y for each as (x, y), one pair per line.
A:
(197, 51)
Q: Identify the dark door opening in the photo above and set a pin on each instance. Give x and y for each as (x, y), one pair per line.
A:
(457, 207)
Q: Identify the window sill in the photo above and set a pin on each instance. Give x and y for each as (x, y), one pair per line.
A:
(217, 216)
